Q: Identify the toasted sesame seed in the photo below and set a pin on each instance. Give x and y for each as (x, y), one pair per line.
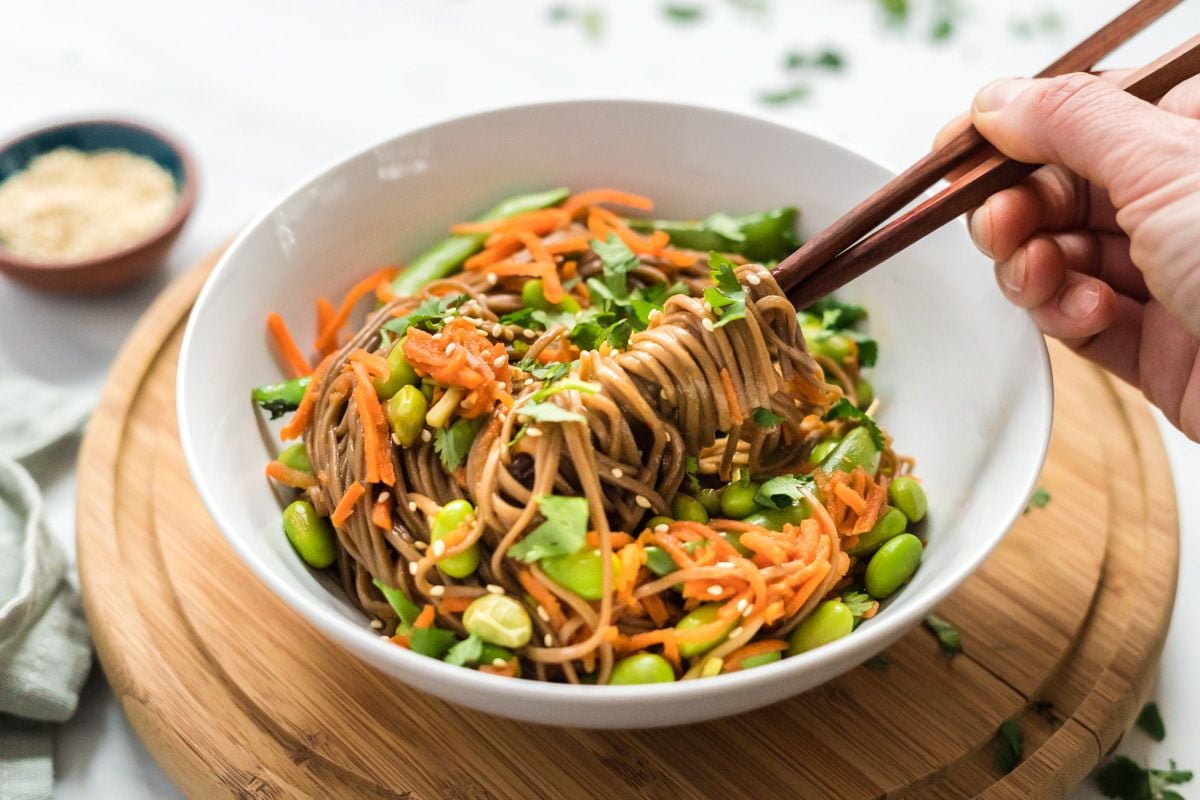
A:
(529, 381)
(543, 614)
(617, 472)
(450, 348)
(412, 505)
(396, 440)
(508, 334)
(708, 309)
(497, 331)
(667, 437)
(753, 279)
(724, 564)
(437, 337)
(529, 333)
(533, 433)
(413, 566)
(376, 624)
(498, 663)
(736, 632)
(421, 545)
(548, 640)
(383, 497)
(384, 636)
(500, 361)
(437, 591)
(426, 435)
(707, 324)
(494, 589)
(661, 527)
(741, 605)
(715, 590)
(438, 549)
(491, 279)
(641, 501)
(749, 610)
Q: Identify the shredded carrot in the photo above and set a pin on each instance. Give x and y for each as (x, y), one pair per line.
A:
(327, 337)
(671, 652)
(572, 244)
(851, 498)
(287, 346)
(381, 514)
(511, 669)
(377, 453)
(583, 200)
(297, 479)
(634, 241)
(384, 292)
(735, 408)
(733, 661)
(618, 538)
(538, 591)
(303, 415)
(425, 618)
(493, 253)
(376, 365)
(455, 605)
(551, 284)
(345, 506)
(325, 312)
(656, 608)
(462, 356)
(544, 219)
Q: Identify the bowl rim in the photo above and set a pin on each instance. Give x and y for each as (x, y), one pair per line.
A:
(430, 671)
(185, 200)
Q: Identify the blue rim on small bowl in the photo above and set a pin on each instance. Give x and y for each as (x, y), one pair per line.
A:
(116, 269)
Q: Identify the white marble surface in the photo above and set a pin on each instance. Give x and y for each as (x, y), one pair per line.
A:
(266, 92)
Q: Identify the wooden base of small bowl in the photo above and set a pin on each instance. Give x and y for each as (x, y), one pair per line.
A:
(237, 696)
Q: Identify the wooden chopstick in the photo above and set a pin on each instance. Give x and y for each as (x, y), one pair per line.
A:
(964, 147)
(996, 172)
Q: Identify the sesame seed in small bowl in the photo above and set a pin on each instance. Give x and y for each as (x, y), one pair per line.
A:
(92, 205)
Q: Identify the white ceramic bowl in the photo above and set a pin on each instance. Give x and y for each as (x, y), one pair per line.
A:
(964, 377)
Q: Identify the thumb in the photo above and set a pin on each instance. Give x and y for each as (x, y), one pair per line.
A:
(1126, 145)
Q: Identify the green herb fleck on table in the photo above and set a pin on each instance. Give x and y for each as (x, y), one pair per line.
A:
(1039, 499)
(1124, 779)
(948, 637)
(827, 58)
(1010, 746)
(877, 663)
(783, 97)
(590, 19)
(1151, 722)
(677, 12)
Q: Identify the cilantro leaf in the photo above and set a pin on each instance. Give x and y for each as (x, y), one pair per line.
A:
(1010, 747)
(454, 442)
(467, 651)
(1122, 778)
(431, 641)
(566, 385)
(844, 409)
(877, 663)
(549, 412)
(430, 315)
(782, 491)
(726, 296)
(618, 261)
(836, 315)
(1039, 499)
(947, 635)
(868, 350)
(766, 418)
(725, 225)
(1151, 722)
(545, 372)
(406, 609)
(678, 12)
(859, 603)
(693, 473)
(563, 532)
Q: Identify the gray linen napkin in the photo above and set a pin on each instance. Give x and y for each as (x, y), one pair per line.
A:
(44, 649)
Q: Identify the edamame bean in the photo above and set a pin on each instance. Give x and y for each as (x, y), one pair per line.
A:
(450, 518)
(406, 414)
(400, 373)
(760, 659)
(498, 619)
(310, 534)
(533, 295)
(295, 457)
(773, 519)
(855, 450)
(836, 346)
(822, 450)
(892, 565)
(906, 494)
(891, 524)
(641, 668)
(737, 500)
(688, 508)
(698, 616)
(864, 391)
(710, 499)
(831, 620)
(580, 572)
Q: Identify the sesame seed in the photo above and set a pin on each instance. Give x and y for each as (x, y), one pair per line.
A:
(426, 435)
(529, 333)
(413, 567)
(376, 624)
(715, 590)
(724, 564)
(412, 505)
(491, 279)
(617, 472)
(707, 307)
(749, 610)
(494, 589)
(383, 497)
(384, 636)
(499, 361)
(736, 632)
(450, 348)
(396, 440)
(661, 527)
(497, 331)
(741, 605)
(533, 433)
(508, 334)
(438, 549)
(421, 545)
(667, 437)
(641, 501)
(753, 279)
(543, 614)
(548, 640)
(437, 337)
(707, 324)
(529, 381)
(437, 591)
(498, 663)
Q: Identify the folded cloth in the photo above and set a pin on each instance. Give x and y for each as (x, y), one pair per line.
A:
(44, 649)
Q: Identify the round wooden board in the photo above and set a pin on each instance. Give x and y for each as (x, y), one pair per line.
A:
(236, 696)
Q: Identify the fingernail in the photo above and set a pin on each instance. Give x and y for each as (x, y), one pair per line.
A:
(1080, 301)
(981, 229)
(998, 94)
(1013, 271)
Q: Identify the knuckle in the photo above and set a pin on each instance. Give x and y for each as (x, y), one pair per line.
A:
(1063, 99)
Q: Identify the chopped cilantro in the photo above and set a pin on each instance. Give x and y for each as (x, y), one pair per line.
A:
(877, 663)
(836, 315)
(467, 651)
(844, 409)
(827, 58)
(859, 603)
(1151, 722)
(1039, 499)
(726, 295)
(1010, 746)
(766, 418)
(430, 315)
(782, 491)
(895, 12)
(693, 473)
(782, 97)
(1122, 778)
(563, 532)
(549, 412)
(566, 385)
(454, 442)
(868, 350)
(617, 262)
(947, 635)
(677, 12)
(725, 225)
(545, 372)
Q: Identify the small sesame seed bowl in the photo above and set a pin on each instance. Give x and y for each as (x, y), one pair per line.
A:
(85, 206)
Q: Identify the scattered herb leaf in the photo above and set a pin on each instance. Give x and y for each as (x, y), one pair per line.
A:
(677, 12)
(878, 663)
(1151, 722)
(452, 443)
(1039, 499)
(546, 372)
(468, 651)
(844, 409)
(430, 315)
(783, 97)
(947, 635)
(726, 295)
(859, 603)
(766, 418)
(836, 315)
(693, 473)
(618, 261)
(1124, 779)
(1010, 746)
(549, 412)
(563, 532)
(782, 491)
(566, 385)
(827, 58)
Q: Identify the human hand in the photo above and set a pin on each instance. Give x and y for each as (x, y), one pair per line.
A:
(1103, 245)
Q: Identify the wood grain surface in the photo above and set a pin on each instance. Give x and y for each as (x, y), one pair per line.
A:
(236, 696)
